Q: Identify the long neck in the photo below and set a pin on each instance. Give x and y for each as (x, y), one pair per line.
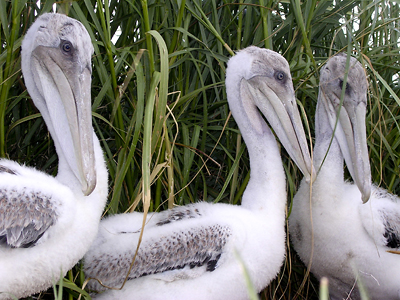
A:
(330, 166)
(100, 193)
(266, 190)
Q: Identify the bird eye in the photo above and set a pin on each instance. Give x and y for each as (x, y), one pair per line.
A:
(347, 86)
(66, 46)
(280, 75)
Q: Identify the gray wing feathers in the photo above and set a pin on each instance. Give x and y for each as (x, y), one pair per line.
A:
(24, 217)
(179, 214)
(391, 222)
(196, 247)
(4, 169)
(388, 209)
(381, 218)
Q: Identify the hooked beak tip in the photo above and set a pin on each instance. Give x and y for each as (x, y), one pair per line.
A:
(88, 191)
(365, 191)
(311, 176)
(364, 187)
(365, 197)
(88, 187)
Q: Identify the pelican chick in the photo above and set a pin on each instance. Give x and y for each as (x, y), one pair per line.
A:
(48, 223)
(191, 252)
(354, 225)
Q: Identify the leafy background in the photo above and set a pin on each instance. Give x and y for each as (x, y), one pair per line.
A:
(170, 57)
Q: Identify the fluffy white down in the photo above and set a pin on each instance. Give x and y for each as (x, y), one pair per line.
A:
(263, 254)
(343, 252)
(25, 271)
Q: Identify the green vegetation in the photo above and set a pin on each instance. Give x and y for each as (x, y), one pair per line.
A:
(159, 101)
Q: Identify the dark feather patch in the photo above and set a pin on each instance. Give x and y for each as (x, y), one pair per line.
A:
(180, 213)
(4, 169)
(212, 264)
(192, 248)
(392, 237)
(25, 217)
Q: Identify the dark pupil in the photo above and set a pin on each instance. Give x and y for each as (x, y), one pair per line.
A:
(341, 85)
(66, 47)
(279, 76)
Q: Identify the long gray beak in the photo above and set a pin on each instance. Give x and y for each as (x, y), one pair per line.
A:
(65, 86)
(351, 136)
(283, 116)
